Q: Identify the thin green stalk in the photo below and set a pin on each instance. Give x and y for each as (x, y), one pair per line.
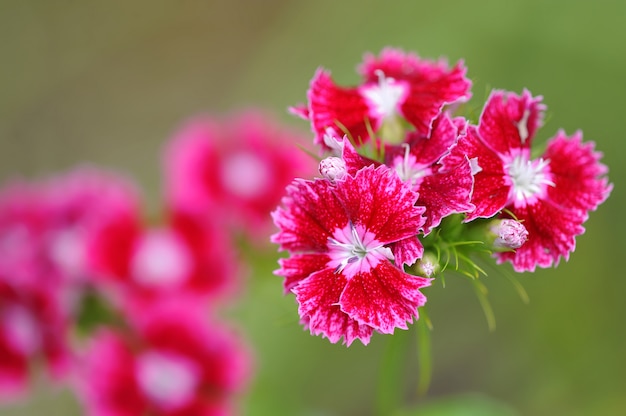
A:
(390, 388)
(424, 353)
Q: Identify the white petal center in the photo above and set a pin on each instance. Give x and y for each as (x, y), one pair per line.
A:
(245, 175)
(385, 97)
(353, 249)
(161, 260)
(168, 379)
(529, 179)
(409, 170)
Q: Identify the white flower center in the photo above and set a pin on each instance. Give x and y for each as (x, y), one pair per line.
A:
(161, 260)
(353, 249)
(529, 179)
(245, 175)
(169, 380)
(384, 97)
(409, 170)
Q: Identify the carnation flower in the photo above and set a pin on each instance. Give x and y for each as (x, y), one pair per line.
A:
(188, 255)
(550, 195)
(348, 240)
(173, 363)
(235, 169)
(43, 271)
(77, 202)
(397, 87)
(33, 327)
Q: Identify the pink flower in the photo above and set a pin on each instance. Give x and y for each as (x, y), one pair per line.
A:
(235, 169)
(76, 203)
(172, 363)
(344, 237)
(188, 255)
(395, 85)
(33, 327)
(23, 228)
(43, 271)
(550, 195)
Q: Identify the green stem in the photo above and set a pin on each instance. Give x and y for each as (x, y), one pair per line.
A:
(390, 389)
(424, 353)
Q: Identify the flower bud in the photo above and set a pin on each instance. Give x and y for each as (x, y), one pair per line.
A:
(333, 168)
(427, 266)
(509, 234)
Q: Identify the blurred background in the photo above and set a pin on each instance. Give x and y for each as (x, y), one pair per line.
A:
(108, 82)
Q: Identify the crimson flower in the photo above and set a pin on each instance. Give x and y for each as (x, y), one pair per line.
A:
(173, 363)
(551, 195)
(348, 239)
(234, 168)
(396, 85)
(187, 255)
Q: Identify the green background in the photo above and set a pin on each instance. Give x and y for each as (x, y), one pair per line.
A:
(108, 82)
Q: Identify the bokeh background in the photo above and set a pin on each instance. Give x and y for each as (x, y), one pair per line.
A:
(108, 82)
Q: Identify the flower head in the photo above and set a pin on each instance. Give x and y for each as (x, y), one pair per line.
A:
(551, 195)
(347, 241)
(33, 326)
(188, 255)
(173, 362)
(234, 168)
(397, 88)
(44, 228)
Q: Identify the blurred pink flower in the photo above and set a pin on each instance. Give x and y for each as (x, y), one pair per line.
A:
(44, 226)
(173, 362)
(33, 328)
(341, 237)
(77, 202)
(233, 169)
(187, 255)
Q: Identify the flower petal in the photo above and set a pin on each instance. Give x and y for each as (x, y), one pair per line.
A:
(431, 84)
(299, 267)
(509, 121)
(380, 201)
(318, 296)
(491, 190)
(342, 109)
(384, 298)
(310, 215)
(446, 193)
(577, 173)
(407, 251)
(428, 150)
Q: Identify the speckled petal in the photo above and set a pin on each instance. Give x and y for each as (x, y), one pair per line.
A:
(385, 298)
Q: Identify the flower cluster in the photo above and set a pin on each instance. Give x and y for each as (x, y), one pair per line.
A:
(125, 308)
(406, 183)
